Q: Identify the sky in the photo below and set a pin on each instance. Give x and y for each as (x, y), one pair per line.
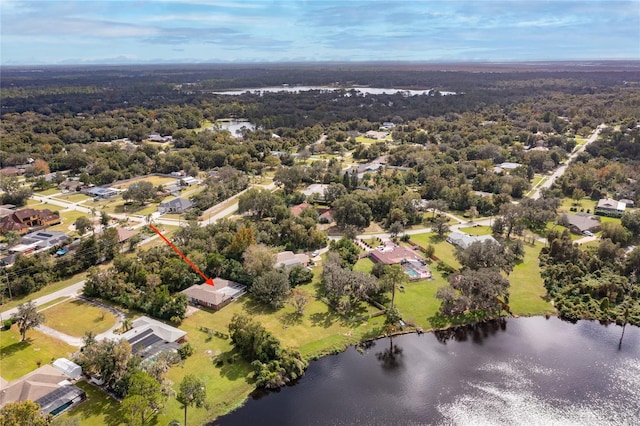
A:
(250, 31)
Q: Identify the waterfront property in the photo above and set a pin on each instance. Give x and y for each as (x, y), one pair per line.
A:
(149, 337)
(412, 262)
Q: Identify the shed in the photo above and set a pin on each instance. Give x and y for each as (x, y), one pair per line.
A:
(67, 367)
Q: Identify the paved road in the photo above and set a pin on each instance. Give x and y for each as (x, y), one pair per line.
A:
(563, 168)
(70, 291)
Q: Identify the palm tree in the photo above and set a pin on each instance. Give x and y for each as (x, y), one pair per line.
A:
(126, 325)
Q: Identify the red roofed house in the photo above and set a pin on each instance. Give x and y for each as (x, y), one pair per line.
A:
(296, 210)
(24, 219)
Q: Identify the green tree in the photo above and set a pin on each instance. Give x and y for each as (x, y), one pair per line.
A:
(299, 300)
(24, 413)
(83, 224)
(392, 277)
(192, 392)
(440, 226)
(140, 192)
(144, 399)
(104, 219)
(258, 259)
(349, 210)
(271, 288)
(12, 237)
(27, 317)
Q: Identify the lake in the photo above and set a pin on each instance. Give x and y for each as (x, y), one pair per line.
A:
(525, 371)
(360, 90)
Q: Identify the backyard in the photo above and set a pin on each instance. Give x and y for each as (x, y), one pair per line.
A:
(19, 358)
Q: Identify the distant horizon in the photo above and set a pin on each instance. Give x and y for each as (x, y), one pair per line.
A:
(119, 32)
(534, 62)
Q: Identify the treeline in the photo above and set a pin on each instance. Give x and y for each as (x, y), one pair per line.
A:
(31, 273)
(598, 284)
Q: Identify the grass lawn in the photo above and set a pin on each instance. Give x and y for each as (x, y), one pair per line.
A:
(364, 265)
(584, 204)
(417, 303)
(319, 330)
(154, 180)
(443, 250)
(19, 358)
(527, 287)
(44, 291)
(477, 230)
(39, 204)
(73, 198)
(98, 409)
(51, 303)
(76, 317)
(49, 191)
(67, 219)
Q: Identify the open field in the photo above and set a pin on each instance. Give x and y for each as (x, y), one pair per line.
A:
(76, 317)
(364, 265)
(443, 250)
(49, 191)
(19, 358)
(72, 197)
(154, 180)
(527, 288)
(67, 219)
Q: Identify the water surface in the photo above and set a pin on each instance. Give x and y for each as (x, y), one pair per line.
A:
(526, 371)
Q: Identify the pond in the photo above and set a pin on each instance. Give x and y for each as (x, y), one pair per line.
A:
(521, 371)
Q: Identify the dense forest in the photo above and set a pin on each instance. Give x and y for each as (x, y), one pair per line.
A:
(441, 149)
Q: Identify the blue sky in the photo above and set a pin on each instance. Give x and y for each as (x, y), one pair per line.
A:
(160, 31)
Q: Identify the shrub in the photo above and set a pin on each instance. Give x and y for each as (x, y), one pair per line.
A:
(7, 324)
(185, 351)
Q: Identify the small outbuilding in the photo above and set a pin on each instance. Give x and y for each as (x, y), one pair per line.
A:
(70, 368)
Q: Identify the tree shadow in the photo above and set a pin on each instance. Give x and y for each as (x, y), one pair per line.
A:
(477, 332)
(322, 319)
(233, 367)
(291, 318)
(14, 348)
(257, 308)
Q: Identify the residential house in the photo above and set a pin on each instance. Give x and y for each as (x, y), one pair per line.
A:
(22, 220)
(412, 262)
(176, 205)
(610, 207)
(101, 192)
(125, 234)
(580, 222)
(189, 181)
(38, 241)
(149, 337)
(299, 208)
(315, 191)
(627, 202)
(155, 137)
(288, 259)
(463, 241)
(12, 171)
(215, 296)
(506, 167)
(47, 386)
(71, 186)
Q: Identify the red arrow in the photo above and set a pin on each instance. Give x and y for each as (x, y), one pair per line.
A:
(207, 280)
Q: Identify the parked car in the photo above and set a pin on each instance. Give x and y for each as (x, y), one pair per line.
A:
(587, 233)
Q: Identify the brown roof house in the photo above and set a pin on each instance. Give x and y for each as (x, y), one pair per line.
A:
(216, 296)
(580, 222)
(21, 220)
(299, 208)
(412, 262)
(47, 386)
